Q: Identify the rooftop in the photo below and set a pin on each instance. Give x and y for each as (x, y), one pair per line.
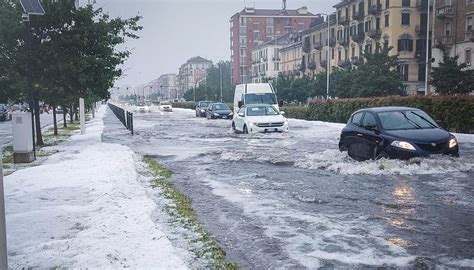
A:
(198, 59)
(281, 40)
(303, 11)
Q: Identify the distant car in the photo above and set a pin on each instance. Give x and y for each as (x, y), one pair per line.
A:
(201, 108)
(166, 106)
(259, 118)
(5, 114)
(395, 132)
(218, 110)
(142, 107)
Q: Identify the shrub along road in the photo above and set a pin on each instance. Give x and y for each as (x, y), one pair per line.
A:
(293, 200)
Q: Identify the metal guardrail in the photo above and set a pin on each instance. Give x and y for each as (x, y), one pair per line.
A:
(125, 117)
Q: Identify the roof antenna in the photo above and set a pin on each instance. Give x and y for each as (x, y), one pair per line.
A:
(284, 4)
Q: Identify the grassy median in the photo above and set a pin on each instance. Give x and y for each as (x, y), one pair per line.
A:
(183, 212)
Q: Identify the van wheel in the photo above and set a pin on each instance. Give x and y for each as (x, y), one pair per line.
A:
(245, 130)
(233, 127)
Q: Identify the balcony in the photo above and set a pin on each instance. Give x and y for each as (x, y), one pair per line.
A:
(375, 34)
(446, 40)
(344, 63)
(276, 58)
(445, 12)
(358, 16)
(344, 42)
(343, 20)
(324, 63)
(356, 60)
(359, 38)
(312, 65)
(264, 59)
(375, 10)
(318, 46)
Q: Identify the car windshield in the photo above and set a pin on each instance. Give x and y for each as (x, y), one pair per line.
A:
(165, 103)
(261, 111)
(3, 107)
(397, 120)
(204, 104)
(221, 107)
(264, 98)
(141, 104)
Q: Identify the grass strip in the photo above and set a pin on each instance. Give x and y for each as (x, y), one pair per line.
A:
(183, 212)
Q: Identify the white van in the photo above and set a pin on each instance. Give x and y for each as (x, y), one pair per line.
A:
(254, 93)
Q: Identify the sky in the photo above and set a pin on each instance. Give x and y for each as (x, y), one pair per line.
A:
(176, 30)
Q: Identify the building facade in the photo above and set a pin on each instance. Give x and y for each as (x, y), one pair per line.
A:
(252, 27)
(360, 25)
(191, 72)
(266, 58)
(290, 62)
(454, 30)
(165, 87)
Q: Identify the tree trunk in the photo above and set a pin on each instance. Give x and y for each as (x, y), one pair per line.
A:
(55, 123)
(71, 114)
(39, 137)
(64, 116)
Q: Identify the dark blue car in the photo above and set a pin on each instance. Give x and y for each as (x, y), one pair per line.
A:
(395, 132)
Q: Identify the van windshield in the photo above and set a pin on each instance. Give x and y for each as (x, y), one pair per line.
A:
(264, 98)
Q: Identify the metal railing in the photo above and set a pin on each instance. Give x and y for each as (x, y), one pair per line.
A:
(125, 117)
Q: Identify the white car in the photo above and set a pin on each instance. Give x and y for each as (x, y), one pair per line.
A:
(166, 106)
(259, 118)
(142, 107)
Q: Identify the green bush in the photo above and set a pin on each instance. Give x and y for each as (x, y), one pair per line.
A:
(184, 105)
(456, 112)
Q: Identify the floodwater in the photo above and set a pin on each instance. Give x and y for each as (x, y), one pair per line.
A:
(292, 200)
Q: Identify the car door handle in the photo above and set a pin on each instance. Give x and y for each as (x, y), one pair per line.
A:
(359, 134)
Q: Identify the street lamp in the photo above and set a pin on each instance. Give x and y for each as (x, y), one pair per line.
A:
(427, 44)
(328, 67)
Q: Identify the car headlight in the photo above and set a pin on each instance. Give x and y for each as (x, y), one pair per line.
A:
(286, 122)
(251, 124)
(216, 114)
(453, 142)
(203, 110)
(403, 145)
(231, 113)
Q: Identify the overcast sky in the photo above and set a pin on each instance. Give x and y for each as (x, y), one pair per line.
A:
(176, 30)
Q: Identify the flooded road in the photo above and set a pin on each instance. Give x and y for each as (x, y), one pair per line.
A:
(292, 200)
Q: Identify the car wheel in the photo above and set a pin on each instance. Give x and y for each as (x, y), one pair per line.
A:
(382, 154)
(245, 130)
(197, 114)
(342, 147)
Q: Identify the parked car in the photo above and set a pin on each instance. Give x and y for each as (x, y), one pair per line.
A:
(142, 107)
(5, 114)
(259, 118)
(166, 106)
(219, 110)
(395, 132)
(201, 108)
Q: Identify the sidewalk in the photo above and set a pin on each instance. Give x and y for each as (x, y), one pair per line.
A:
(85, 207)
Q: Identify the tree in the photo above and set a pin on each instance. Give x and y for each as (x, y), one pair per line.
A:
(451, 78)
(378, 76)
(210, 89)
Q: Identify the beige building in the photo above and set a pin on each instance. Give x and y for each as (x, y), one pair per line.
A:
(360, 25)
(191, 72)
(291, 59)
(454, 30)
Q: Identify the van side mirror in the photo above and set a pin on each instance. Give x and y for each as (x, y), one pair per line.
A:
(282, 112)
(280, 103)
(239, 104)
(241, 114)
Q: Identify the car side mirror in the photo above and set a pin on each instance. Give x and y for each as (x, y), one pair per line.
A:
(441, 123)
(239, 104)
(241, 114)
(371, 127)
(282, 112)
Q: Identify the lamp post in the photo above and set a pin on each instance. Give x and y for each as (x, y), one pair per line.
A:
(427, 45)
(328, 64)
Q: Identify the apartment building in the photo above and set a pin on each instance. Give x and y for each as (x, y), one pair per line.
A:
(266, 58)
(360, 25)
(191, 72)
(165, 87)
(252, 27)
(454, 30)
(290, 63)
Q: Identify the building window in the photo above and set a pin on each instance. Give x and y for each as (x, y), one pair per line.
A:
(368, 25)
(387, 20)
(403, 70)
(339, 56)
(368, 48)
(447, 28)
(469, 22)
(387, 4)
(405, 45)
(421, 72)
(353, 51)
(467, 58)
(405, 3)
(406, 18)
(332, 53)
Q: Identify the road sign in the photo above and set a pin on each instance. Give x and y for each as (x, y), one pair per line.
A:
(32, 7)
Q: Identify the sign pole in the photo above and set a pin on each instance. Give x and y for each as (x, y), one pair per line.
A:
(3, 230)
(82, 116)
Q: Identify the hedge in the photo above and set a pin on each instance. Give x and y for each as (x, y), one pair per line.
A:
(456, 112)
(184, 105)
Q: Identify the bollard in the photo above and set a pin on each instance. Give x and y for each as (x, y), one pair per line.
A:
(3, 230)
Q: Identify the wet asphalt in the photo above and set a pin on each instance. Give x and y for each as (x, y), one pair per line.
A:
(292, 200)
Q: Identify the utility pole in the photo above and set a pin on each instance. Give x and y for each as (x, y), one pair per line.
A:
(220, 77)
(3, 231)
(328, 70)
(427, 45)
